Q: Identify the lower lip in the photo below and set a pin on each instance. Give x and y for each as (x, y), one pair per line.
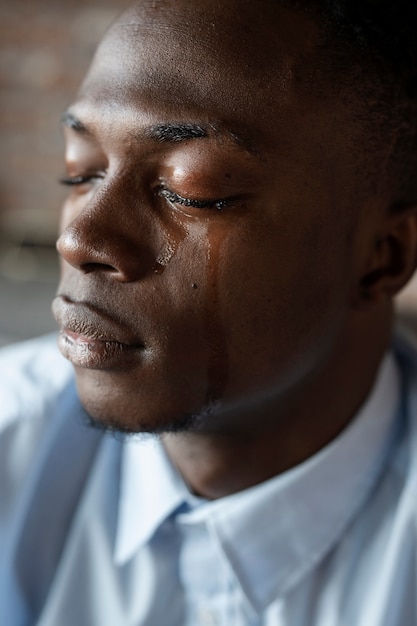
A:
(95, 353)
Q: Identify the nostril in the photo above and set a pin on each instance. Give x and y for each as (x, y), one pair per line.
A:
(95, 241)
(87, 268)
(115, 253)
(83, 255)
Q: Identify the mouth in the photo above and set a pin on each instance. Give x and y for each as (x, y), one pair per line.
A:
(92, 339)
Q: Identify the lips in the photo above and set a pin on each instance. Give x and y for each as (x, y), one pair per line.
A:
(91, 338)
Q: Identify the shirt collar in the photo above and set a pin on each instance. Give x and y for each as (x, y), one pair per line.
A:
(150, 490)
(274, 533)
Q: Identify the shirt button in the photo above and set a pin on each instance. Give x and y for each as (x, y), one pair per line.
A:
(206, 617)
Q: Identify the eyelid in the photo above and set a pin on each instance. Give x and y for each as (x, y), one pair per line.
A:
(80, 179)
(175, 198)
(162, 191)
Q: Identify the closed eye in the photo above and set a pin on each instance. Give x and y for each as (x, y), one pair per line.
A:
(175, 198)
(171, 196)
(79, 180)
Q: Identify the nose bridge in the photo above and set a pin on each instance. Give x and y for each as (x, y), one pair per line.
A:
(114, 232)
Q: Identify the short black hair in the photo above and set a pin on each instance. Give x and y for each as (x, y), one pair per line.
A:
(374, 43)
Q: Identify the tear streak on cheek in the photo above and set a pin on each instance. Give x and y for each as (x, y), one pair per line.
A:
(172, 239)
(218, 360)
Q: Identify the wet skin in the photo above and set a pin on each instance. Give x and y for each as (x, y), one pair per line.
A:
(215, 244)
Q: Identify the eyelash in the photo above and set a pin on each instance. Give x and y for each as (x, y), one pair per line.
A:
(171, 196)
(175, 198)
(77, 180)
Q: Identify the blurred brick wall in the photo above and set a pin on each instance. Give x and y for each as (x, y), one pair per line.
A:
(45, 48)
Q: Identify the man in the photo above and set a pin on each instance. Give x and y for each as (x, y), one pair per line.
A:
(241, 213)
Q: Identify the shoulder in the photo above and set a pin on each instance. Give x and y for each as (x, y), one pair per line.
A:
(37, 398)
(405, 349)
(33, 379)
(32, 375)
(45, 457)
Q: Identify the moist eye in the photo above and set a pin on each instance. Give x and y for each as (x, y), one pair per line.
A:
(175, 198)
(75, 180)
(81, 180)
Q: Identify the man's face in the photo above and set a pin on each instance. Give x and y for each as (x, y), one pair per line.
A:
(207, 237)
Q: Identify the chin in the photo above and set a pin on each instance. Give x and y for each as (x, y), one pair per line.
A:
(117, 414)
(141, 400)
(117, 426)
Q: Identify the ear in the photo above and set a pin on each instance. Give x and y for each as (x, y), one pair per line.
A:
(393, 257)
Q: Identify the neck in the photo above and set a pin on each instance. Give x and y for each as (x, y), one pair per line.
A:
(287, 431)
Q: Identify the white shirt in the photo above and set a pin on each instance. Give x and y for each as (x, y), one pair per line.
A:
(102, 532)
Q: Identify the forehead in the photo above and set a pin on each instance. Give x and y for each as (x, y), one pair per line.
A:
(237, 63)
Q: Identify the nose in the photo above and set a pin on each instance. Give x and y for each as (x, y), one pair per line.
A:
(109, 234)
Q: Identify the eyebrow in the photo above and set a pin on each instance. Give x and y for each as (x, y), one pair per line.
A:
(164, 132)
(176, 132)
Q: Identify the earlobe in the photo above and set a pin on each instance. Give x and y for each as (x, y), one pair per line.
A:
(393, 259)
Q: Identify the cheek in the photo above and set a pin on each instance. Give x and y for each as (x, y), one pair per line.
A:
(194, 316)
(215, 328)
(282, 303)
